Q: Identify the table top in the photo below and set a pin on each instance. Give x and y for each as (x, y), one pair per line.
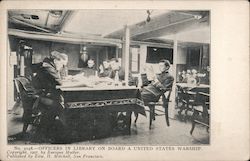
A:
(95, 88)
(92, 84)
(186, 85)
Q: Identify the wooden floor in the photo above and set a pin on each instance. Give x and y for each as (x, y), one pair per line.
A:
(160, 134)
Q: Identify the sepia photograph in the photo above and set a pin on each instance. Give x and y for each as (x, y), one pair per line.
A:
(129, 77)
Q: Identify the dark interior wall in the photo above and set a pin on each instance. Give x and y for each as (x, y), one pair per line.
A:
(154, 54)
(42, 49)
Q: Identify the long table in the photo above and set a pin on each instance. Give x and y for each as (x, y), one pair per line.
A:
(96, 112)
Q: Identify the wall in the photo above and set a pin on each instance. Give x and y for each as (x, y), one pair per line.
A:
(181, 55)
(41, 49)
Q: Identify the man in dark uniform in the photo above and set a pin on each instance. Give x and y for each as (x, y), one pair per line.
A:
(151, 92)
(105, 69)
(116, 69)
(90, 70)
(45, 81)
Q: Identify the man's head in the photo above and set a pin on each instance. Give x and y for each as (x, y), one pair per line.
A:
(106, 64)
(164, 65)
(91, 63)
(114, 63)
(60, 59)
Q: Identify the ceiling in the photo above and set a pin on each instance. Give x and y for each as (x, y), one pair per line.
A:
(144, 25)
(104, 22)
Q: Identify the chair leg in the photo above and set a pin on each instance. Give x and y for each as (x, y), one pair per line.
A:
(195, 114)
(136, 117)
(151, 115)
(25, 127)
(186, 112)
(153, 112)
(166, 116)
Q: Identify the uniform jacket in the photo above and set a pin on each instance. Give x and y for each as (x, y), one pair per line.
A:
(164, 83)
(47, 76)
(106, 73)
(88, 72)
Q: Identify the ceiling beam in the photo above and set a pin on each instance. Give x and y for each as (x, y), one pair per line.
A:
(13, 19)
(65, 20)
(63, 38)
(74, 40)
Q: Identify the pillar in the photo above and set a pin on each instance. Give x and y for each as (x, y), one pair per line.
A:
(125, 54)
(173, 96)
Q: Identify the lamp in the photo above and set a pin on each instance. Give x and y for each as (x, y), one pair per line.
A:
(83, 53)
(56, 13)
(148, 18)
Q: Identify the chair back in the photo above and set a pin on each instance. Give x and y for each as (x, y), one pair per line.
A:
(23, 83)
(24, 90)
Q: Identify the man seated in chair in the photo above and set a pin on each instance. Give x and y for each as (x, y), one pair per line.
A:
(152, 91)
(90, 69)
(163, 82)
(46, 78)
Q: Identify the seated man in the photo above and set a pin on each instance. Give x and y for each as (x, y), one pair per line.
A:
(162, 83)
(116, 68)
(105, 69)
(90, 70)
(46, 78)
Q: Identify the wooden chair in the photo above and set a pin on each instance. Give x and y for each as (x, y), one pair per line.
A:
(26, 93)
(153, 112)
(186, 99)
(201, 112)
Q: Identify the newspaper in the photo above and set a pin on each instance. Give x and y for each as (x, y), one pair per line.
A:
(227, 137)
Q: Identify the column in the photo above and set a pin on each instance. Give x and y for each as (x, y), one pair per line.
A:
(125, 54)
(173, 94)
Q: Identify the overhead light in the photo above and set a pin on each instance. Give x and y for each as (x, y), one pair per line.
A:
(56, 13)
(149, 13)
(34, 17)
(83, 53)
(197, 17)
(154, 49)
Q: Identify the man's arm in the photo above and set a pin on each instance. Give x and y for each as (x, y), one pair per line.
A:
(166, 84)
(52, 73)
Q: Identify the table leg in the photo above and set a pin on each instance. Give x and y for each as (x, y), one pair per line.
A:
(194, 116)
(128, 119)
